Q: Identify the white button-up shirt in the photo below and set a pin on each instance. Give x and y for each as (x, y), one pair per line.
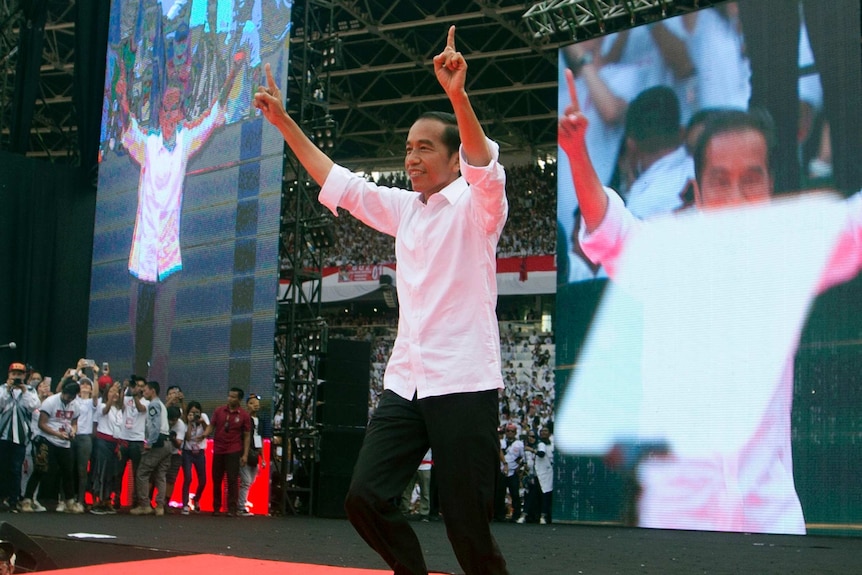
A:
(448, 339)
(751, 489)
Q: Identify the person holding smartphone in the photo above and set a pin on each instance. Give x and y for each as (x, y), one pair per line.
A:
(17, 402)
(194, 454)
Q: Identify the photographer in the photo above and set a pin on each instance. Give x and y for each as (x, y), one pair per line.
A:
(194, 454)
(131, 433)
(17, 402)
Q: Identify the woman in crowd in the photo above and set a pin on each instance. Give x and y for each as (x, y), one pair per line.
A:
(194, 454)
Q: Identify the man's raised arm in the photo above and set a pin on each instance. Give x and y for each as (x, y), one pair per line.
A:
(572, 130)
(269, 101)
(451, 71)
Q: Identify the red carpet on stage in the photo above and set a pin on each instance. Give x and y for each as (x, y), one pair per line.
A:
(214, 565)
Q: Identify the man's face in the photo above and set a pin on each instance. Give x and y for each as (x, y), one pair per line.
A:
(149, 393)
(428, 162)
(544, 434)
(253, 405)
(735, 170)
(86, 390)
(171, 113)
(233, 399)
(16, 375)
(140, 386)
(511, 433)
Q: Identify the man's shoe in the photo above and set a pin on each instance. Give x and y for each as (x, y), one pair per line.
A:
(74, 507)
(61, 507)
(25, 506)
(109, 509)
(521, 520)
(159, 511)
(245, 513)
(141, 510)
(38, 507)
(185, 510)
(542, 520)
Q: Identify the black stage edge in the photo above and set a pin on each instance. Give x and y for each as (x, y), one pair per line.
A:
(529, 549)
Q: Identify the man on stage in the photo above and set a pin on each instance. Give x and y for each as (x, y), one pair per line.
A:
(442, 378)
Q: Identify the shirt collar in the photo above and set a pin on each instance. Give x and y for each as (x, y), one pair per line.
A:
(453, 191)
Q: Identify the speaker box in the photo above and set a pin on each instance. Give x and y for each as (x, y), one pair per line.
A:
(29, 556)
(339, 449)
(346, 375)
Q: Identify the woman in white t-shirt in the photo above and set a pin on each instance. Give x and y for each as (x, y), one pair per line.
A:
(109, 417)
(194, 453)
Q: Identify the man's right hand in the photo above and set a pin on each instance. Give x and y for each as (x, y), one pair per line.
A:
(268, 98)
(573, 124)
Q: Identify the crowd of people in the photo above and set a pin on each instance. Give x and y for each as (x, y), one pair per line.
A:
(67, 447)
(530, 229)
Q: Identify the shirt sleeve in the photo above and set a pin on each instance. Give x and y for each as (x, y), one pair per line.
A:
(846, 259)
(487, 190)
(376, 206)
(605, 244)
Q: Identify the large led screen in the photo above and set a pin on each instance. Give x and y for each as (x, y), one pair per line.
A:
(185, 254)
(709, 360)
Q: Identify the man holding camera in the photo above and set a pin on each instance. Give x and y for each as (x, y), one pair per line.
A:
(17, 402)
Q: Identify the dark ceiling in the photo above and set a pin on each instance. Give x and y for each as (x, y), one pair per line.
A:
(387, 79)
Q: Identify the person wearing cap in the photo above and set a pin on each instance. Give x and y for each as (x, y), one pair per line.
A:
(17, 401)
(253, 464)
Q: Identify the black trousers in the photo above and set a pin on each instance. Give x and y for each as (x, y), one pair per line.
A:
(226, 464)
(461, 431)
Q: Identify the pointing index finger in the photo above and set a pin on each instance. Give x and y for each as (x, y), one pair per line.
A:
(270, 81)
(450, 40)
(573, 93)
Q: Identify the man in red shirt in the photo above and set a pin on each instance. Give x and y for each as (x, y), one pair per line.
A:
(232, 427)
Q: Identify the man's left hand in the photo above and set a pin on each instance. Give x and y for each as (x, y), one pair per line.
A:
(450, 67)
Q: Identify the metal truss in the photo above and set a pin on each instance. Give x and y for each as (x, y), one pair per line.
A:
(584, 19)
(53, 134)
(387, 80)
(306, 231)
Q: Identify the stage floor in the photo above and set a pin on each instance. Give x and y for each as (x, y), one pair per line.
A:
(71, 541)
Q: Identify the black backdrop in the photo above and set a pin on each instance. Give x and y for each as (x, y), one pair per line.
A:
(47, 214)
(46, 234)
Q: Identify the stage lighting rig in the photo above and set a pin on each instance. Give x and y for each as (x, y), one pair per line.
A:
(584, 19)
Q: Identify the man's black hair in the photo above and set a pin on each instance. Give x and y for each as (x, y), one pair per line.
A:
(653, 119)
(239, 391)
(173, 412)
(451, 135)
(71, 388)
(154, 385)
(729, 121)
